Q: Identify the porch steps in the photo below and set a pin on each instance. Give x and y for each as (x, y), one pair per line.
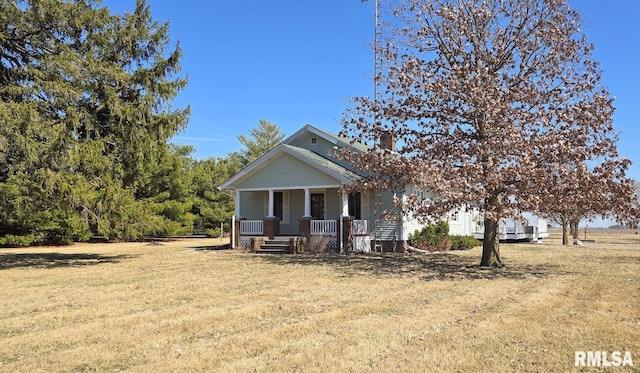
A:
(275, 247)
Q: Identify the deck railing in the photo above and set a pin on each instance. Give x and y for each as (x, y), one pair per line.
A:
(323, 227)
(251, 227)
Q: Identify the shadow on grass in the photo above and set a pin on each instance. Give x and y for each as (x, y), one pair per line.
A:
(55, 260)
(430, 267)
(213, 247)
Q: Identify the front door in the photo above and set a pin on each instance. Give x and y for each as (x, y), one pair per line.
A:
(317, 206)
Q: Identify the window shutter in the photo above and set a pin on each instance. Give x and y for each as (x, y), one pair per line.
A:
(266, 203)
(286, 210)
(364, 203)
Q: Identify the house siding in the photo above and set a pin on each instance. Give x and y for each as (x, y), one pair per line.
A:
(252, 205)
(284, 172)
(322, 146)
(384, 230)
(332, 204)
(466, 224)
(461, 226)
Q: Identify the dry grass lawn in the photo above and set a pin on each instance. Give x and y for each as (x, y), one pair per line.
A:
(176, 307)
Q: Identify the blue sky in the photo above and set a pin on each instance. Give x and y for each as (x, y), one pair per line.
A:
(294, 62)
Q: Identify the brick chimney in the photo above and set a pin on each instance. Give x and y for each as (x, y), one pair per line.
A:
(388, 141)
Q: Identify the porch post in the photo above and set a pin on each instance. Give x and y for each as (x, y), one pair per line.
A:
(237, 202)
(307, 203)
(346, 234)
(270, 215)
(344, 214)
(345, 204)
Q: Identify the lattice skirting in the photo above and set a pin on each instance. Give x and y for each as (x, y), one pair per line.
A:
(332, 245)
(325, 243)
(245, 242)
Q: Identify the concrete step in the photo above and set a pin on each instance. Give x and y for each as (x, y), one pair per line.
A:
(274, 247)
(273, 250)
(276, 243)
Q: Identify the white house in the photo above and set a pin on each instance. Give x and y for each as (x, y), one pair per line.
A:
(296, 190)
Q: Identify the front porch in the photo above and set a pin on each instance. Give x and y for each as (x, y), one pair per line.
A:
(338, 236)
(318, 214)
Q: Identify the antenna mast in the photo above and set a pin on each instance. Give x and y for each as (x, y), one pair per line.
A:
(377, 120)
(377, 64)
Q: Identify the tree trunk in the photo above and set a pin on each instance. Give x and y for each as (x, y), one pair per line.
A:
(573, 223)
(565, 232)
(491, 245)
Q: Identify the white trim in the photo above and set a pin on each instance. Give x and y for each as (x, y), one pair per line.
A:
(345, 204)
(310, 187)
(271, 156)
(316, 131)
(323, 227)
(270, 205)
(286, 204)
(307, 203)
(251, 227)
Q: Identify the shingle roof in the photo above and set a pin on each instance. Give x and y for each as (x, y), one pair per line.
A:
(358, 145)
(321, 161)
(327, 135)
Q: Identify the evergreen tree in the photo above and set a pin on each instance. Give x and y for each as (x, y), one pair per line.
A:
(212, 206)
(85, 105)
(263, 138)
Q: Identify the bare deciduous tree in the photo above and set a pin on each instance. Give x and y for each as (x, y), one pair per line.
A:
(579, 192)
(482, 95)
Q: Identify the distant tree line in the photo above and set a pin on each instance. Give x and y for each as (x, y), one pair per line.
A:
(85, 107)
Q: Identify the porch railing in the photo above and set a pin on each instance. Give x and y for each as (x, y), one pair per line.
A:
(323, 227)
(360, 227)
(251, 227)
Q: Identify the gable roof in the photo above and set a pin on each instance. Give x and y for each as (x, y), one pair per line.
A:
(309, 157)
(333, 138)
(343, 174)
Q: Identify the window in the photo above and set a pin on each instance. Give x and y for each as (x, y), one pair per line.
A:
(454, 216)
(278, 204)
(317, 206)
(314, 140)
(355, 205)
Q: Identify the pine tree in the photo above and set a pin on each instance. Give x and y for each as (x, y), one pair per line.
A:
(263, 138)
(85, 98)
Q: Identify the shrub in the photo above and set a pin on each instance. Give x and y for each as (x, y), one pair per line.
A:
(215, 232)
(318, 245)
(464, 242)
(11, 240)
(432, 234)
(432, 237)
